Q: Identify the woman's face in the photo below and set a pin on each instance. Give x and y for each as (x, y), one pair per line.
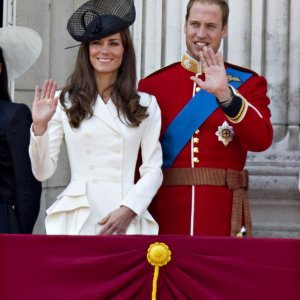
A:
(106, 54)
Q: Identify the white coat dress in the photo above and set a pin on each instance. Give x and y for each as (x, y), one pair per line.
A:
(102, 153)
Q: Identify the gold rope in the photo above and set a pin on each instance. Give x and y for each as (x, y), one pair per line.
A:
(154, 283)
(158, 255)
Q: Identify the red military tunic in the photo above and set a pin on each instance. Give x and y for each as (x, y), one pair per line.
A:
(206, 210)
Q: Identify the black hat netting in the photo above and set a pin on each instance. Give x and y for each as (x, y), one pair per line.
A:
(99, 18)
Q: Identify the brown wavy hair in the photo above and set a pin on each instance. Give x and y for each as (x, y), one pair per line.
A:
(81, 88)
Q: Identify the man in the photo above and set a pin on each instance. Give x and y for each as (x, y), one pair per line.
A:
(212, 114)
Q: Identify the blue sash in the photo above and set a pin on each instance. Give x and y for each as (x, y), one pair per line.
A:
(192, 116)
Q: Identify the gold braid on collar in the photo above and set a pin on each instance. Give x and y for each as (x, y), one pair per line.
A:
(191, 64)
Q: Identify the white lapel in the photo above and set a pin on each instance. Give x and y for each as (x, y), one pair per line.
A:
(106, 113)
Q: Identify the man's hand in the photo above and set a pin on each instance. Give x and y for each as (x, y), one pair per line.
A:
(216, 81)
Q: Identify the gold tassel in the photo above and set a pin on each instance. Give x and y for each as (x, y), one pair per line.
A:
(158, 255)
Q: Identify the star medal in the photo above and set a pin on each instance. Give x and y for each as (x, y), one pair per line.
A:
(225, 133)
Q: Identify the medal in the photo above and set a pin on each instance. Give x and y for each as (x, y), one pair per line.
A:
(225, 133)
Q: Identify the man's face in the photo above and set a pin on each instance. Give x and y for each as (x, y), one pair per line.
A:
(204, 28)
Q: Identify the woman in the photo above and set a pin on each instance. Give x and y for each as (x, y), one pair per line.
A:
(104, 123)
(20, 192)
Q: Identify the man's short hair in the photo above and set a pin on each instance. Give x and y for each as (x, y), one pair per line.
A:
(223, 4)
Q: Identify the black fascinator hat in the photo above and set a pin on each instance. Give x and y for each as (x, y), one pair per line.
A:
(100, 18)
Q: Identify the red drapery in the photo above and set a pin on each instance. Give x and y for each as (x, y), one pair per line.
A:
(115, 267)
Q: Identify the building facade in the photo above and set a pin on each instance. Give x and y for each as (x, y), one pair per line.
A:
(263, 36)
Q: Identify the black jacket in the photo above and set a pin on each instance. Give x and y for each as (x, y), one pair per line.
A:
(20, 192)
